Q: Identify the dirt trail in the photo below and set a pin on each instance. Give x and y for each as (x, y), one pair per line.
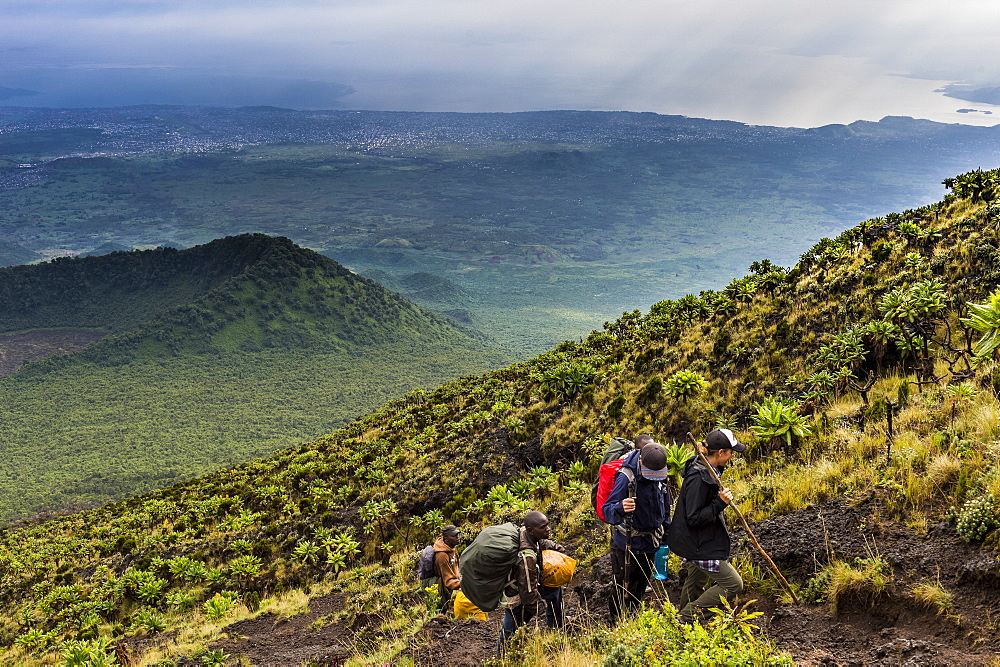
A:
(891, 629)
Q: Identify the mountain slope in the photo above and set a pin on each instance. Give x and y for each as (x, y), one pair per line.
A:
(11, 253)
(867, 325)
(217, 354)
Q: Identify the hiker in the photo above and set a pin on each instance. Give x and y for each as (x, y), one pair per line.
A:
(620, 447)
(522, 603)
(446, 564)
(638, 508)
(616, 451)
(698, 533)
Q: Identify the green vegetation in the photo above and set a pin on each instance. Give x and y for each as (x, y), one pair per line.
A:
(225, 352)
(340, 513)
(653, 638)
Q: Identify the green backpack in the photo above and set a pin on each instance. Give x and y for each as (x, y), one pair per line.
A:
(486, 564)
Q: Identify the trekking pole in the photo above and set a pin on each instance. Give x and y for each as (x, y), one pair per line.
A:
(628, 547)
(746, 526)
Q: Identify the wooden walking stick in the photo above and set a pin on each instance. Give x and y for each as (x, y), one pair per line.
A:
(628, 546)
(746, 526)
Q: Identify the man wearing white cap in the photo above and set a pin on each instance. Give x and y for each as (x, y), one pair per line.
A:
(638, 509)
(698, 533)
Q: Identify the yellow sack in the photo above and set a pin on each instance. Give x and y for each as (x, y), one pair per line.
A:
(557, 568)
(465, 609)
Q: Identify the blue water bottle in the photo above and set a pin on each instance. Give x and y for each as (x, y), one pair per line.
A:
(661, 563)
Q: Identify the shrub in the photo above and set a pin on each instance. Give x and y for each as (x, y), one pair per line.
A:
(817, 587)
(151, 591)
(977, 518)
(677, 456)
(306, 551)
(615, 407)
(569, 379)
(577, 470)
(219, 605)
(985, 318)
(214, 657)
(777, 421)
(657, 638)
(245, 567)
(458, 503)
(92, 653)
(241, 546)
(684, 384)
(35, 639)
(149, 622)
(882, 250)
(648, 394)
(181, 599)
(186, 568)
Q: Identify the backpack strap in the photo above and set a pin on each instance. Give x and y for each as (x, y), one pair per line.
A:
(629, 473)
(523, 557)
(653, 533)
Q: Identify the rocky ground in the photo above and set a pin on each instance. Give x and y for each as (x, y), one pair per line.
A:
(891, 628)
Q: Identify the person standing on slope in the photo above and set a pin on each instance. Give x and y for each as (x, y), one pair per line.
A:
(638, 508)
(522, 607)
(446, 564)
(698, 533)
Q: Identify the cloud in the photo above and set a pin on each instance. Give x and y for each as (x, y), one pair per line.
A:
(8, 93)
(777, 61)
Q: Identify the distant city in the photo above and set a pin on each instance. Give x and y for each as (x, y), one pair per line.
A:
(141, 129)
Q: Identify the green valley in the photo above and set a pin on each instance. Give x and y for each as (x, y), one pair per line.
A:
(208, 357)
(553, 222)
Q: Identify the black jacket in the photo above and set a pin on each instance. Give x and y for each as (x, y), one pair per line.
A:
(698, 531)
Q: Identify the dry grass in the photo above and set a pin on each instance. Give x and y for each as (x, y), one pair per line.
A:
(980, 417)
(865, 578)
(943, 470)
(933, 595)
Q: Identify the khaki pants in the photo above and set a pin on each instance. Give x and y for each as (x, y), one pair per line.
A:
(727, 583)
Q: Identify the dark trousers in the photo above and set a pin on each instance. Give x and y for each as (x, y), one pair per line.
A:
(446, 602)
(639, 570)
(553, 598)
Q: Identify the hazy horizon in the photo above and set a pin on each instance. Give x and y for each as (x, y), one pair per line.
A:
(801, 63)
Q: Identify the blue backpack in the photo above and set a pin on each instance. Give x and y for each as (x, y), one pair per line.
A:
(425, 564)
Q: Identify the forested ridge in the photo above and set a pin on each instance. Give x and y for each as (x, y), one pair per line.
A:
(895, 319)
(214, 355)
(204, 289)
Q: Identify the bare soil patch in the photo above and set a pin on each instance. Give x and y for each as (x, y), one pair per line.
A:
(308, 638)
(892, 628)
(16, 350)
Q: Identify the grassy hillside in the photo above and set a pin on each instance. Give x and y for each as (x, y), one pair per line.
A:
(806, 364)
(221, 353)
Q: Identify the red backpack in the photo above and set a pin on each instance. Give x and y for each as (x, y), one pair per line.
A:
(606, 482)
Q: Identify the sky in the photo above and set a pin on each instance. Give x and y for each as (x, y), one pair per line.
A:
(802, 63)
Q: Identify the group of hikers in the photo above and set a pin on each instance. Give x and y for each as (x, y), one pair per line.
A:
(636, 502)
